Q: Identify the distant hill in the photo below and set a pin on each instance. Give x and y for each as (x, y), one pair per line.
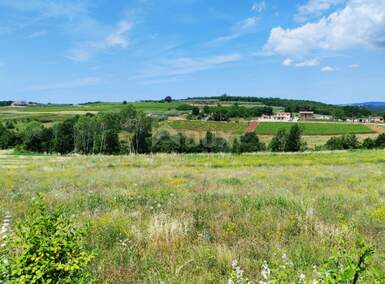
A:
(372, 106)
(290, 105)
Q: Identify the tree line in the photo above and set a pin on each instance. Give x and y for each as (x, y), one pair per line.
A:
(130, 131)
(339, 112)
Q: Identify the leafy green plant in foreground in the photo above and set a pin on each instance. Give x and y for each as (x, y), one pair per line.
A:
(46, 247)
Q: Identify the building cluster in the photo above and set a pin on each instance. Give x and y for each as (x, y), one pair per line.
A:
(288, 116)
(20, 103)
(371, 119)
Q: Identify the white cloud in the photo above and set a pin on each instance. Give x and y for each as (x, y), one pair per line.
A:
(328, 69)
(83, 82)
(186, 65)
(259, 6)
(316, 8)
(241, 28)
(115, 39)
(306, 63)
(248, 23)
(361, 23)
(354, 66)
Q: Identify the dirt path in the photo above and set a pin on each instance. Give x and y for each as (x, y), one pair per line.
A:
(378, 129)
(252, 126)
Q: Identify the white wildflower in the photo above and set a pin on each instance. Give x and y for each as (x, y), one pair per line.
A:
(265, 271)
(302, 277)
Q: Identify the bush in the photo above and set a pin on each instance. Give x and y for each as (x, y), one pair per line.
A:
(380, 141)
(47, 247)
(185, 107)
(250, 143)
(345, 142)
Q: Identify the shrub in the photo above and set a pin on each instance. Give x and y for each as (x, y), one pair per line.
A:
(380, 141)
(345, 142)
(47, 247)
(250, 143)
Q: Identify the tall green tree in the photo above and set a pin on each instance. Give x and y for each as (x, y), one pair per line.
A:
(278, 143)
(64, 136)
(294, 141)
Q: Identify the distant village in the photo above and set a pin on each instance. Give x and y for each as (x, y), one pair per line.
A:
(309, 115)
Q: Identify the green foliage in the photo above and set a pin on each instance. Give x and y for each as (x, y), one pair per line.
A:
(369, 143)
(64, 136)
(184, 107)
(380, 141)
(250, 143)
(314, 128)
(220, 113)
(47, 247)
(278, 143)
(294, 141)
(212, 144)
(8, 137)
(36, 137)
(345, 142)
(296, 105)
(195, 111)
(346, 266)
(236, 149)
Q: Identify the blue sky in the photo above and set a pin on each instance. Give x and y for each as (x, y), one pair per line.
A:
(89, 50)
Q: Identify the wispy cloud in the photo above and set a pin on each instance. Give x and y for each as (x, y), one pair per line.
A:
(241, 28)
(328, 69)
(186, 65)
(354, 66)
(315, 8)
(259, 6)
(115, 39)
(83, 82)
(307, 63)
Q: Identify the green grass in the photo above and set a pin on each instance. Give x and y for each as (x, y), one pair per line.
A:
(203, 126)
(271, 128)
(144, 106)
(184, 218)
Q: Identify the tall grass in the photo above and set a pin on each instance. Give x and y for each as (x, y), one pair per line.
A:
(185, 218)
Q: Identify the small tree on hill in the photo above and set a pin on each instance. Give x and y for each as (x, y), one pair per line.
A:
(168, 99)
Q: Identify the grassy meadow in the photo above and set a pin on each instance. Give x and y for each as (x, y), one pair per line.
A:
(95, 107)
(184, 218)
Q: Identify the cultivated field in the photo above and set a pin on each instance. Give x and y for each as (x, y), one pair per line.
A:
(314, 128)
(184, 218)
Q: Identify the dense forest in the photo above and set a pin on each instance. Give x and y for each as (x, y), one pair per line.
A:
(341, 112)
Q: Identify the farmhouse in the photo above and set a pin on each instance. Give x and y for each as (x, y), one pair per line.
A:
(284, 116)
(323, 117)
(377, 119)
(306, 115)
(19, 103)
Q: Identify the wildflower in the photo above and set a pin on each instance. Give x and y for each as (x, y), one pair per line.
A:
(265, 271)
(302, 277)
